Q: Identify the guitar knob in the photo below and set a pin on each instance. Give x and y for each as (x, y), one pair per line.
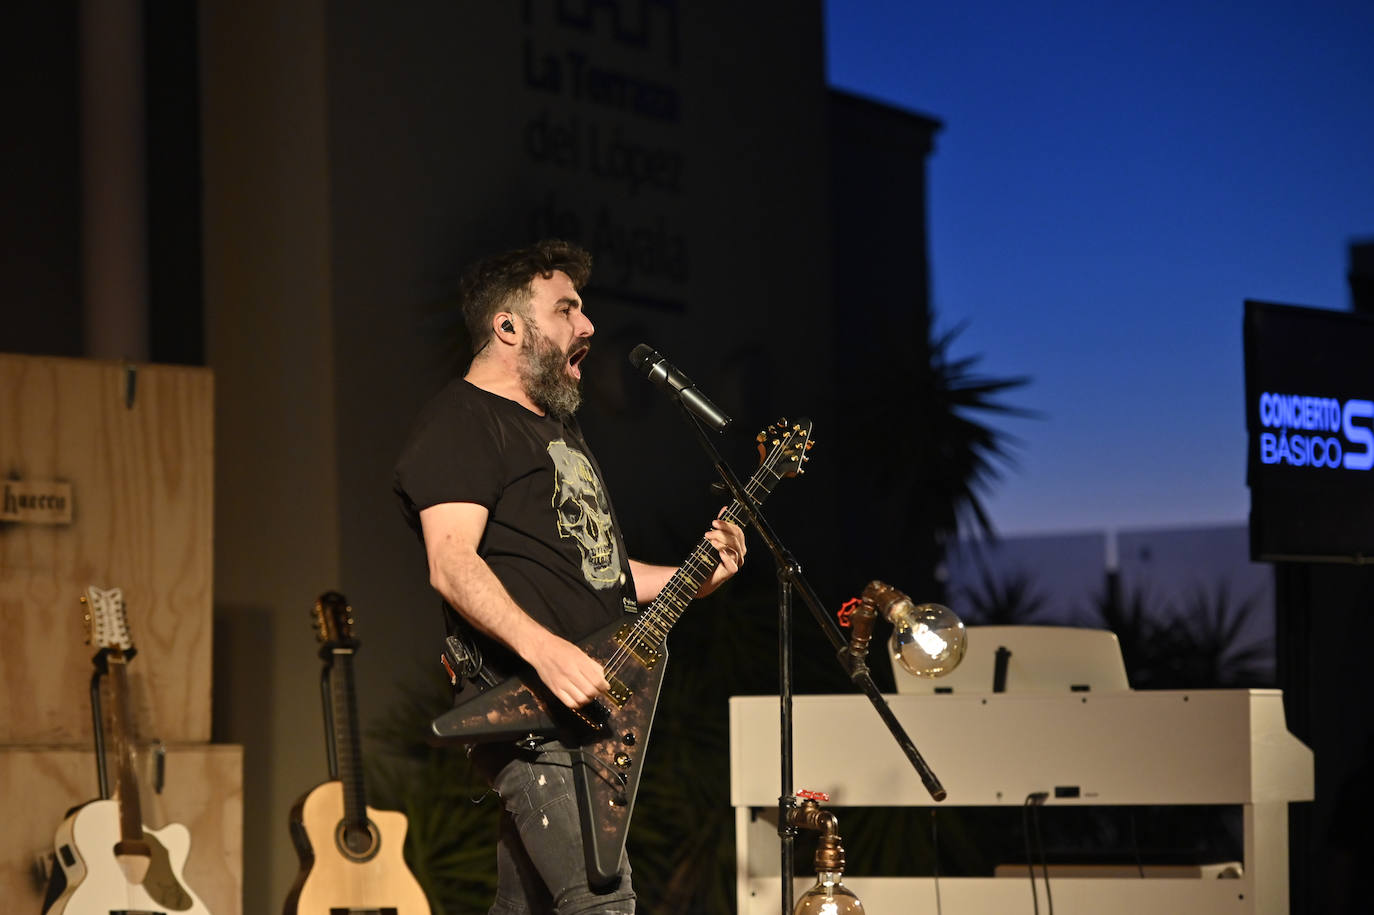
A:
(628, 739)
(622, 760)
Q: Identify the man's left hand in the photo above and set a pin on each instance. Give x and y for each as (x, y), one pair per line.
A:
(728, 539)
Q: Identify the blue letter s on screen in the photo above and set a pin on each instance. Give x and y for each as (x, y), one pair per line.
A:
(1358, 435)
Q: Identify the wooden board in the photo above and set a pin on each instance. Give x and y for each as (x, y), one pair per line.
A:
(137, 449)
(203, 790)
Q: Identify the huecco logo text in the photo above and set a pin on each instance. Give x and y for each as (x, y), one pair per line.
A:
(36, 503)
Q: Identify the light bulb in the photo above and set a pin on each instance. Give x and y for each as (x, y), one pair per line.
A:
(928, 640)
(828, 897)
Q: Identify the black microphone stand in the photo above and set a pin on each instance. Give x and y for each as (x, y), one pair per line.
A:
(851, 658)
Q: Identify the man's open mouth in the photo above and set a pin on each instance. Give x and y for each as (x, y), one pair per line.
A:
(575, 360)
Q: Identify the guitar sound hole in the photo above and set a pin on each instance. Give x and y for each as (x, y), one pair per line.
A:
(357, 842)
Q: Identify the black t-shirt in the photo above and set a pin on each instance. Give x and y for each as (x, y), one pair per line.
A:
(552, 537)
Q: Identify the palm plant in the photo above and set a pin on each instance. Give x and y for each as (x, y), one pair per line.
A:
(1001, 601)
(937, 459)
(452, 820)
(1136, 622)
(1209, 645)
(1201, 645)
(682, 841)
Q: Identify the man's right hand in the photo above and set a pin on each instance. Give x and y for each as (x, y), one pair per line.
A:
(573, 677)
(452, 531)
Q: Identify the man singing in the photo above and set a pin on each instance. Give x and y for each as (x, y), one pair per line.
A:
(524, 547)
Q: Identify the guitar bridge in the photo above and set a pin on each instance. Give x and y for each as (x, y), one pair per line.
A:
(638, 643)
(594, 715)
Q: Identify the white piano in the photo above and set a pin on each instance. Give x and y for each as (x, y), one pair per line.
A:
(1112, 746)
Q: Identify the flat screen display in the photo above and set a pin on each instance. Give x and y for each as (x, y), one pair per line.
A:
(1309, 413)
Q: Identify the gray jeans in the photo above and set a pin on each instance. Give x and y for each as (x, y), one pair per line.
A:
(540, 867)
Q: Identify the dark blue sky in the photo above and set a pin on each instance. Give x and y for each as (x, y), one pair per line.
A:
(1112, 181)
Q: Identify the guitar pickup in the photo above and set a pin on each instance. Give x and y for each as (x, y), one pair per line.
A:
(646, 653)
(619, 692)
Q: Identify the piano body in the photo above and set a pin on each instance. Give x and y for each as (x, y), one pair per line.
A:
(1083, 746)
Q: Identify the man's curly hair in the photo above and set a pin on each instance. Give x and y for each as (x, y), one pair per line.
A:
(502, 282)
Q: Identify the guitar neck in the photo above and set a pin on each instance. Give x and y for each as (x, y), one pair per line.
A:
(681, 589)
(130, 811)
(347, 743)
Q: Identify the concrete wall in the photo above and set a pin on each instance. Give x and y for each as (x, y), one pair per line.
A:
(270, 328)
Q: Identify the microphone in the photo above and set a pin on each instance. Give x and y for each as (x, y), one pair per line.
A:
(664, 374)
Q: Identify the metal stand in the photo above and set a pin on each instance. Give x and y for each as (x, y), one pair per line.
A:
(98, 725)
(102, 667)
(790, 579)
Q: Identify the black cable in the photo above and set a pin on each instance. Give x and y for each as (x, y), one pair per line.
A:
(1135, 848)
(1040, 840)
(935, 851)
(1030, 861)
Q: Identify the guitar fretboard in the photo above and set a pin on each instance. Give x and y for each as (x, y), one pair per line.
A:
(347, 745)
(682, 588)
(121, 723)
(654, 622)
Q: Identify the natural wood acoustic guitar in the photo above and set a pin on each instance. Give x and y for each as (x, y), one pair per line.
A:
(351, 855)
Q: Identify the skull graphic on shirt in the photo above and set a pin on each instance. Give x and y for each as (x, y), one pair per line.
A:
(584, 515)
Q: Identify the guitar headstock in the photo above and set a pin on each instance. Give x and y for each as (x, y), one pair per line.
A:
(105, 621)
(333, 620)
(107, 628)
(783, 447)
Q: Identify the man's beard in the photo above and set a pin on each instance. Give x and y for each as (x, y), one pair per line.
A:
(544, 373)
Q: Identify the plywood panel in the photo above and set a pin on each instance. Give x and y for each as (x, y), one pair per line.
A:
(140, 462)
(203, 790)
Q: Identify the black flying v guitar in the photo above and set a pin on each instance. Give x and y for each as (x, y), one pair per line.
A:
(609, 736)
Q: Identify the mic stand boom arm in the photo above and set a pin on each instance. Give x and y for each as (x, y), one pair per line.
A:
(790, 579)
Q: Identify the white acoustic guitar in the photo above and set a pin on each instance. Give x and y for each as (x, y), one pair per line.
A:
(111, 862)
(351, 854)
